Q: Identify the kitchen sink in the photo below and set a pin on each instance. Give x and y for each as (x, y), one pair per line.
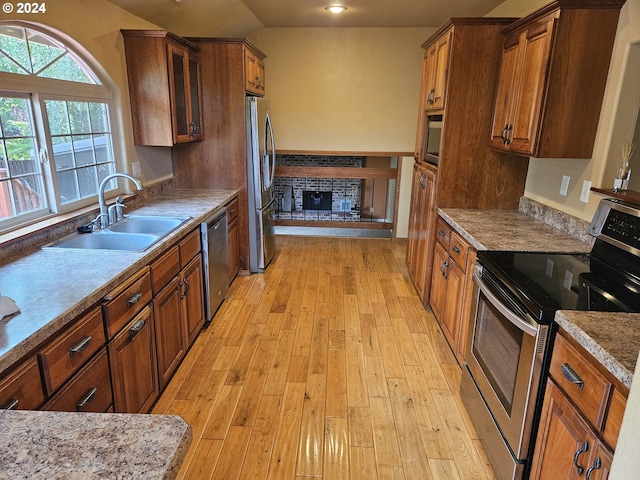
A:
(105, 240)
(156, 225)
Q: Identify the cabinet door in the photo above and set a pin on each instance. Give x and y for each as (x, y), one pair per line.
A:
(22, 389)
(171, 339)
(195, 126)
(438, 295)
(455, 279)
(565, 441)
(506, 93)
(536, 46)
(132, 358)
(193, 299)
(178, 75)
(442, 66)
(431, 60)
(254, 73)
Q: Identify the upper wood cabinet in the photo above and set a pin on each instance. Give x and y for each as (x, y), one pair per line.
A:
(164, 86)
(253, 71)
(553, 74)
(436, 58)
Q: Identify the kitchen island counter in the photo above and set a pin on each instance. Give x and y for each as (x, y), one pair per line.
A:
(88, 446)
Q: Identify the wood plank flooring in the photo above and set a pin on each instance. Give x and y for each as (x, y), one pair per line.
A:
(325, 367)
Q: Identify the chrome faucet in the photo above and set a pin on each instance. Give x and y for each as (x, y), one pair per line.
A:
(104, 211)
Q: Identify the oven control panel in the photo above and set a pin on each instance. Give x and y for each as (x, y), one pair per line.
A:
(617, 223)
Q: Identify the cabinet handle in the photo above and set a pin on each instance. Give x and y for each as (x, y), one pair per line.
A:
(135, 329)
(133, 299)
(12, 404)
(82, 345)
(597, 465)
(441, 233)
(505, 139)
(430, 96)
(422, 179)
(443, 269)
(571, 375)
(583, 449)
(455, 249)
(87, 399)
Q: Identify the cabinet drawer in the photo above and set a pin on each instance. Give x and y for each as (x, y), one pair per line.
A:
(443, 233)
(232, 211)
(88, 391)
(584, 385)
(164, 269)
(126, 300)
(612, 424)
(67, 353)
(458, 250)
(189, 247)
(22, 389)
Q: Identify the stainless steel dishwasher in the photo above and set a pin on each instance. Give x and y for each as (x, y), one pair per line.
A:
(215, 248)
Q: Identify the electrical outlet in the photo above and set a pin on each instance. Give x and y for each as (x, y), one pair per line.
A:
(564, 186)
(584, 194)
(135, 167)
(371, 210)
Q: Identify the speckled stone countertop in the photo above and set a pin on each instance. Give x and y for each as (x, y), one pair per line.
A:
(52, 286)
(91, 446)
(612, 338)
(510, 230)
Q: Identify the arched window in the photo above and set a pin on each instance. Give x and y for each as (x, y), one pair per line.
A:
(56, 143)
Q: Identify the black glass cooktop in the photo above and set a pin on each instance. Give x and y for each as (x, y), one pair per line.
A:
(546, 282)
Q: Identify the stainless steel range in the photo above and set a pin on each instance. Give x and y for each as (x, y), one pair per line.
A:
(511, 331)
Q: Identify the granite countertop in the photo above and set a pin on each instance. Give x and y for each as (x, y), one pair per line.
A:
(88, 446)
(511, 230)
(612, 338)
(52, 286)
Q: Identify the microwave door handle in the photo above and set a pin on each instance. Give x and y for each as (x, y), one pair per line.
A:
(521, 324)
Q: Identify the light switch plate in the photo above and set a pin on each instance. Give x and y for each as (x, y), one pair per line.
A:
(564, 186)
(584, 194)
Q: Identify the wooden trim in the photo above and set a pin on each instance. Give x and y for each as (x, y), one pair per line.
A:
(452, 22)
(333, 224)
(344, 153)
(628, 196)
(161, 34)
(336, 172)
(227, 41)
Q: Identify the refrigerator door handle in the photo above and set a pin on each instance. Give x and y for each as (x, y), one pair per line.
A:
(272, 159)
(273, 200)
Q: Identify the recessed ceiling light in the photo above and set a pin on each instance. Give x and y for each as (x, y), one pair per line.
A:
(336, 8)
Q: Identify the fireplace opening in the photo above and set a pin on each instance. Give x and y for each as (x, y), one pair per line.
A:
(316, 200)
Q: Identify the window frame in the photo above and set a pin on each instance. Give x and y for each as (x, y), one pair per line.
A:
(40, 89)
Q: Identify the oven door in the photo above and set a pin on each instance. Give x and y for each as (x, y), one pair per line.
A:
(504, 355)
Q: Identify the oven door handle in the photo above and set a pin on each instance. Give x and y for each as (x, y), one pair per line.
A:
(518, 322)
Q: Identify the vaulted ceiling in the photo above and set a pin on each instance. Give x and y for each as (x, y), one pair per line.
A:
(238, 18)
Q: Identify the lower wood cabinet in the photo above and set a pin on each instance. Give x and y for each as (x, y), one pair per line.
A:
(232, 234)
(22, 388)
(581, 415)
(88, 391)
(453, 262)
(132, 357)
(193, 298)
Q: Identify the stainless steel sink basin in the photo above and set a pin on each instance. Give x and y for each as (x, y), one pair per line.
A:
(104, 240)
(156, 225)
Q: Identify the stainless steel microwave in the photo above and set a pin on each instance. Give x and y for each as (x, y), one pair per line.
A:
(431, 153)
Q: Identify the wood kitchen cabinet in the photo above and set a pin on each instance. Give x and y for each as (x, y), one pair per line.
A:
(21, 389)
(468, 173)
(581, 416)
(254, 71)
(177, 276)
(453, 262)
(421, 213)
(553, 74)
(221, 162)
(164, 77)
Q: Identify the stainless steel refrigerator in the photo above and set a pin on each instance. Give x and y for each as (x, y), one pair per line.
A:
(261, 159)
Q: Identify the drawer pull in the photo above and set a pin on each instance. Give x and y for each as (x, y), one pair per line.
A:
(581, 450)
(135, 329)
(441, 233)
(572, 376)
(597, 465)
(12, 404)
(455, 249)
(81, 345)
(133, 299)
(87, 399)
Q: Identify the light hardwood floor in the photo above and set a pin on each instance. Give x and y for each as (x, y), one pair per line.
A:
(326, 367)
